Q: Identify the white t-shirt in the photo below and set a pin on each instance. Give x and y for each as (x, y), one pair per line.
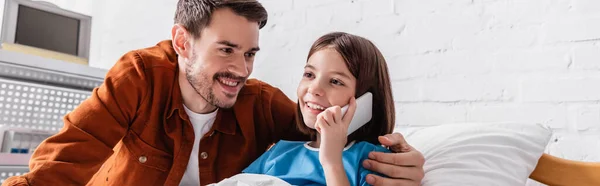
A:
(202, 124)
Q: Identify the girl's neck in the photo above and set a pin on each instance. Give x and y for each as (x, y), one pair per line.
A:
(316, 143)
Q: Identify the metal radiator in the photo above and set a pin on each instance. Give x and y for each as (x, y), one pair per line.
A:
(35, 94)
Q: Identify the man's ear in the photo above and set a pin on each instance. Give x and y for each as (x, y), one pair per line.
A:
(180, 37)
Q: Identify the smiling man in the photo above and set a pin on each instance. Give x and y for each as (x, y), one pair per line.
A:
(184, 113)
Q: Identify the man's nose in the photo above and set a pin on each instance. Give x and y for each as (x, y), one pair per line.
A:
(239, 67)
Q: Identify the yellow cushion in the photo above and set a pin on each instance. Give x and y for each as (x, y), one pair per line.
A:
(553, 171)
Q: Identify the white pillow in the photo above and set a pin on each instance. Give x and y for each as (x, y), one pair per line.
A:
(480, 154)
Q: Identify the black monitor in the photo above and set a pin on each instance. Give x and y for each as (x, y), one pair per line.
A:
(45, 26)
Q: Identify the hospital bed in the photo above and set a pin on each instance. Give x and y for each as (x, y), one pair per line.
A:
(35, 93)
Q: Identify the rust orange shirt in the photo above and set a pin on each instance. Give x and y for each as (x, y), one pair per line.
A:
(133, 130)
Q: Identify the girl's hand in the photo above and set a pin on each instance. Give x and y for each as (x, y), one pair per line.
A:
(333, 129)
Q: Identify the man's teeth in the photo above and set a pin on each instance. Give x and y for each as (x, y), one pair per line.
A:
(314, 106)
(229, 83)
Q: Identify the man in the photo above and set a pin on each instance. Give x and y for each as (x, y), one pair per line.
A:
(183, 112)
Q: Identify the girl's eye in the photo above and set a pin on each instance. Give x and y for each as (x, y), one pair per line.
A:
(336, 82)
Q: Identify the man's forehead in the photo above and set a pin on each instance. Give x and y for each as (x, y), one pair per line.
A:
(244, 37)
(241, 43)
(225, 25)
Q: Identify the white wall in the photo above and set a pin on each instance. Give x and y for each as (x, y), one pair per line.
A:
(450, 60)
(128, 25)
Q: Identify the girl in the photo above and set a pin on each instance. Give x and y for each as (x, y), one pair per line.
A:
(340, 67)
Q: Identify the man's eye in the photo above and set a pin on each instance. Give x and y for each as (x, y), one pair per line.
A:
(227, 50)
(250, 54)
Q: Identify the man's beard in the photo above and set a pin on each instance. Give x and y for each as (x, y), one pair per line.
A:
(202, 84)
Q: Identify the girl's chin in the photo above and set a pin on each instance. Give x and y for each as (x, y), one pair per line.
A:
(312, 126)
(310, 123)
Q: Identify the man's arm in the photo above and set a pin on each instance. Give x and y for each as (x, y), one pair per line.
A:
(90, 132)
(404, 167)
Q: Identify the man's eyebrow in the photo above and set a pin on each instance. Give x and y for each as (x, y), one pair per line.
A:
(229, 44)
(255, 49)
(233, 45)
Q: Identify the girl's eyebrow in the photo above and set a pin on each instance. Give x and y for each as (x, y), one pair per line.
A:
(342, 74)
(345, 75)
(309, 66)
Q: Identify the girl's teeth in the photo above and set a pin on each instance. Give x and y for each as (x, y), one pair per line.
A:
(313, 106)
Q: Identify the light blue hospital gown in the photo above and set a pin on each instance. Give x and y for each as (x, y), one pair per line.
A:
(298, 164)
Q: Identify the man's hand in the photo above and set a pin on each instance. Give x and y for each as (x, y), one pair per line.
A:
(404, 167)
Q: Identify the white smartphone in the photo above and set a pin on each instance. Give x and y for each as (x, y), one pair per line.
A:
(363, 113)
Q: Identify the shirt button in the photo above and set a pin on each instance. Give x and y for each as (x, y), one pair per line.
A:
(143, 159)
(204, 155)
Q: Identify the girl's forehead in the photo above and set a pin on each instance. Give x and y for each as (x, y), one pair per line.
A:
(326, 57)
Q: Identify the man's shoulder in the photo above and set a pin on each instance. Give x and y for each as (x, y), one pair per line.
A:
(152, 64)
(147, 59)
(159, 55)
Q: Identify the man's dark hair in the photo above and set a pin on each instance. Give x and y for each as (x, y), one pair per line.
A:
(195, 15)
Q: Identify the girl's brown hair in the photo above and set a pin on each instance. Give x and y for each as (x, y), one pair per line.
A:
(368, 66)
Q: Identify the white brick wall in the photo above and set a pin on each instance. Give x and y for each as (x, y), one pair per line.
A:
(450, 60)
(465, 61)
